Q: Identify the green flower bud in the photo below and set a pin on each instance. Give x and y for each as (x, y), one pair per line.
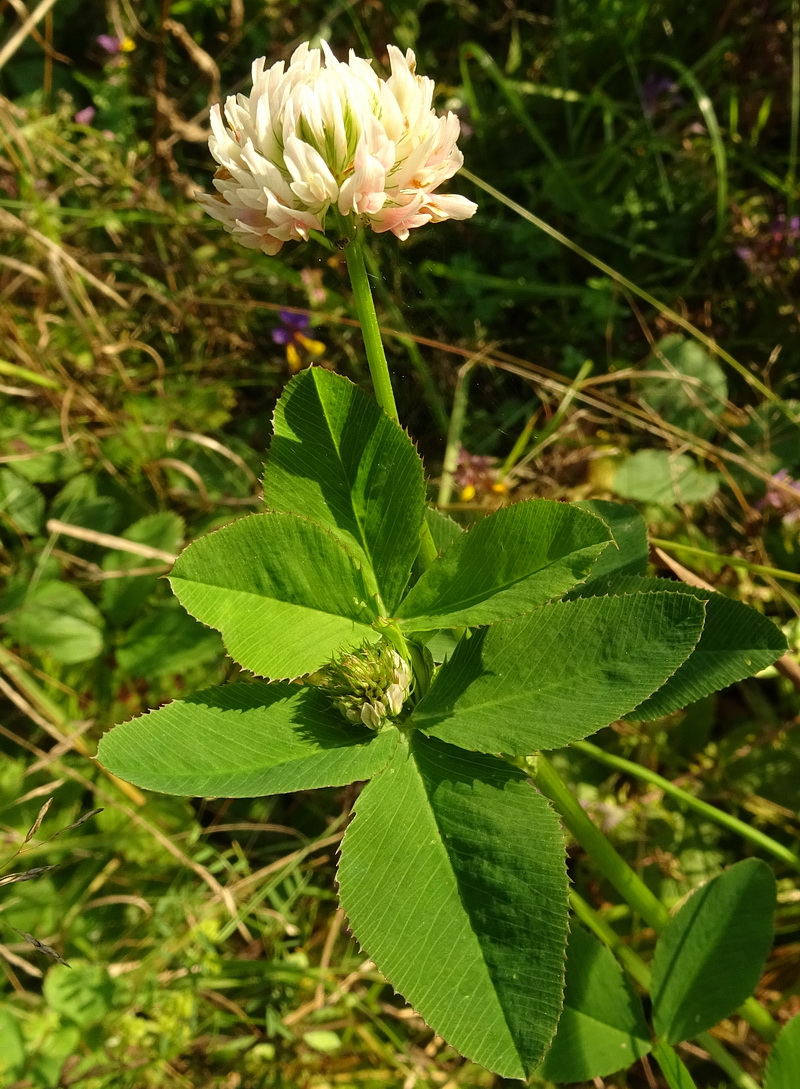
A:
(369, 685)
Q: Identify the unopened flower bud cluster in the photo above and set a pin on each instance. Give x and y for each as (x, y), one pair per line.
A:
(369, 686)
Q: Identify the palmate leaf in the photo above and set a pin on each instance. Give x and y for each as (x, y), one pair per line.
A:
(284, 593)
(453, 878)
(510, 562)
(712, 952)
(602, 1028)
(559, 673)
(339, 460)
(242, 741)
(736, 642)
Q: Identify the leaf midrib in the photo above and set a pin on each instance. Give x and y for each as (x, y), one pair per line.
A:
(362, 535)
(478, 599)
(264, 598)
(467, 915)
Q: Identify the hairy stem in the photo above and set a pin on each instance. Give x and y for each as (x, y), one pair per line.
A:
(370, 330)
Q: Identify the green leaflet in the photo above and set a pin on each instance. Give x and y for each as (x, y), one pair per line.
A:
(444, 530)
(453, 878)
(658, 476)
(629, 557)
(783, 1068)
(560, 673)
(510, 562)
(242, 741)
(711, 955)
(602, 1027)
(337, 459)
(284, 594)
(736, 642)
(684, 385)
(56, 618)
(21, 503)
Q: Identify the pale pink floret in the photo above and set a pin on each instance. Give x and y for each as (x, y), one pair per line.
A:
(322, 135)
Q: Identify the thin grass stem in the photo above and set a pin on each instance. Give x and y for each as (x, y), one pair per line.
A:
(760, 839)
(629, 285)
(458, 415)
(733, 561)
(626, 881)
(672, 1067)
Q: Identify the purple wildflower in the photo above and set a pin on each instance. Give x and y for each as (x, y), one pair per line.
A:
(299, 347)
(291, 325)
(85, 116)
(656, 91)
(778, 498)
(769, 247)
(108, 42)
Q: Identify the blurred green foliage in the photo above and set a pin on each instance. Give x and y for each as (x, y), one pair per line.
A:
(138, 376)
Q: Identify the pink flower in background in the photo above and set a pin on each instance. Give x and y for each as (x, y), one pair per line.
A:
(109, 43)
(323, 138)
(85, 116)
(782, 500)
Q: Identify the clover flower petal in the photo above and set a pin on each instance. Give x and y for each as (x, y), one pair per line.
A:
(321, 137)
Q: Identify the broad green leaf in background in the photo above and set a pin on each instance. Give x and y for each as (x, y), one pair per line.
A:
(339, 460)
(81, 993)
(21, 503)
(57, 619)
(560, 673)
(243, 741)
(45, 1062)
(122, 598)
(602, 1028)
(783, 1066)
(13, 1052)
(629, 557)
(712, 952)
(282, 591)
(166, 641)
(510, 562)
(656, 476)
(38, 437)
(684, 385)
(82, 504)
(772, 433)
(453, 879)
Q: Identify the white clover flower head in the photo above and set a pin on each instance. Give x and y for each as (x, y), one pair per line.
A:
(326, 136)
